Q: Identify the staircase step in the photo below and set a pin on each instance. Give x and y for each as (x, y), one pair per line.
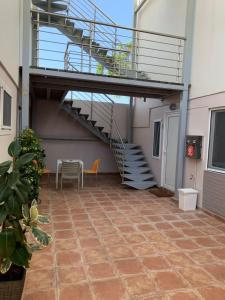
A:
(135, 163)
(78, 33)
(100, 128)
(138, 177)
(85, 116)
(130, 157)
(93, 122)
(140, 185)
(86, 40)
(127, 151)
(77, 109)
(102, 52)
(127, 146)
(137, 170)
(55, 7)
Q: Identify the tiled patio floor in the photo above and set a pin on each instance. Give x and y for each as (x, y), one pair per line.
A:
(111, 243)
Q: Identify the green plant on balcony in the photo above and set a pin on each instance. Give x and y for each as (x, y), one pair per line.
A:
(33, 170)
(121, 58)
(18, 220)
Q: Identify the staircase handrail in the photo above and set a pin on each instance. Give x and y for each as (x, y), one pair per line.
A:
(123, 147)
(110, 25)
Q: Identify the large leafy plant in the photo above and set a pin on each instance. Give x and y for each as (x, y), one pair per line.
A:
(33, 170)
(17, 216)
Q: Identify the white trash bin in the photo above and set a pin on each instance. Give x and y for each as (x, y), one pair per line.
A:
(187, 199)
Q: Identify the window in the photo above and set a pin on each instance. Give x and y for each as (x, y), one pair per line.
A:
(156, 139)
(217, 141)
(6, 110)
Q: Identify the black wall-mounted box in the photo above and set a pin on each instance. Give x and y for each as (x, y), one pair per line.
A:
(193, 146)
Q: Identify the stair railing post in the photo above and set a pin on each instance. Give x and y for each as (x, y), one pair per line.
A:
(90, 44)
(68, 8)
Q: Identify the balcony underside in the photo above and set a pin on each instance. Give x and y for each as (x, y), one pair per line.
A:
(45, 81)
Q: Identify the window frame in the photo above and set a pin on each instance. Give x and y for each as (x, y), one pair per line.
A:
(3, 90)
(211, 136)
(160, 136)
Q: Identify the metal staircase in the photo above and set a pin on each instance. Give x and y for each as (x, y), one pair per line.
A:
(77, 38)
(86, 40)
(95, 113)
(99, 45)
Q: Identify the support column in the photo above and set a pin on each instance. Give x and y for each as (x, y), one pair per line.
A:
(130, 121)
(185, 94)
(26, 51)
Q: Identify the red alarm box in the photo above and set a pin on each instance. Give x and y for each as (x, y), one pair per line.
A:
(193, 146)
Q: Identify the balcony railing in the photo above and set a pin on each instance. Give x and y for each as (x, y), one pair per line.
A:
(70, 43)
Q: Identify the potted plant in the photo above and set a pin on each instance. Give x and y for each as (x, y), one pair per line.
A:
(34, 169)
(17, 217)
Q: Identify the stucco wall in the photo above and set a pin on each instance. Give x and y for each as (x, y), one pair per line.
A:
(145, 113)
(199, 124)
(50, 121)
(208, 49)
(6, 136)
(10, 39)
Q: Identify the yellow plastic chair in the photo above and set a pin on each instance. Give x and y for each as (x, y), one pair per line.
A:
(94, 168)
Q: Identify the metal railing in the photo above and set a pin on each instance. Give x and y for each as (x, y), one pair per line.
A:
(99, 107)
(117, 139)
(87, 46)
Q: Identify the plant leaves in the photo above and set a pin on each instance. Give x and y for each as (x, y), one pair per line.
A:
(35, 247)
(13, 206)
(4, 167)
(24, 159)
(25, 211)
(20, 256)
(14, 149)
(40, 236)
(7, 242)
(5, 265)
(3, 214)
(33, 213)
(43, 219)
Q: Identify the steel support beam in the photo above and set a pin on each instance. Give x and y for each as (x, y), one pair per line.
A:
(25, 64)
(190, 17)
(130, 121)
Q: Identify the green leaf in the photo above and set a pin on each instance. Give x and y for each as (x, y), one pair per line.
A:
(13, 207)
(40, 236)
(20, 256)
(24, 159)
(7, 242)
(4, 167)
(22, 195)
(35, 247)
(43, 219)
(13, 179)
(5, 265)
(14, 149)
(19, 234)
(25, 211)
(3, 214)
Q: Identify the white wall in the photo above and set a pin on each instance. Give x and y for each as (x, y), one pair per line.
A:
(159, 56)
(199, 124)
(145, 114)
(51, 122)
(7, 135)
(208, 63)
(10, 40)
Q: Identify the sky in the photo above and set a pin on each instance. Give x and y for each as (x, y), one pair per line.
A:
(121, 11)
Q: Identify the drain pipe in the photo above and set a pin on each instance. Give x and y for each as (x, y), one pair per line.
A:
(190, 17)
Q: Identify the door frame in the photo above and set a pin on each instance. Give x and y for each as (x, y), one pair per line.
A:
(164, 146)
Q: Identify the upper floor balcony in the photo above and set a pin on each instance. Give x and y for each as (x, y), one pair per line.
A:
(78, 37)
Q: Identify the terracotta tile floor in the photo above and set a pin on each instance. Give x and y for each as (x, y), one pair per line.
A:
(113, 243)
